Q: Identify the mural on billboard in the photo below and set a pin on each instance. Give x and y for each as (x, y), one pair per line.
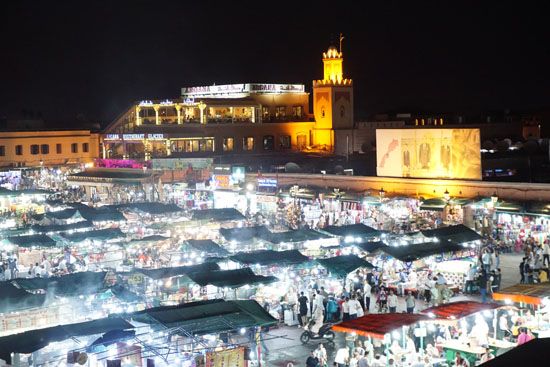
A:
(429, 153)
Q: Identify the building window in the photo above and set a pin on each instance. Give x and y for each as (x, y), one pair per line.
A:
(284, 141)
(85, 147)
(248, 143)
(58, 149)
(297, 111)
(192, 145)
(265, 112)
(227, 144)
(342, 111)
(280, 112)
(44, 149)
(18, 150)
(35, 149)
(268, 142)
(2, 150)
(74, 148)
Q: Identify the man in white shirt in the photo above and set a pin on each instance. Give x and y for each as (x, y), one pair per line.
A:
(342, 357)
(354, 307)
(546, 253)
(367, 290)
(392, 302)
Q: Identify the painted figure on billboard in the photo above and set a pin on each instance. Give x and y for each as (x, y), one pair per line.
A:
(429, 153)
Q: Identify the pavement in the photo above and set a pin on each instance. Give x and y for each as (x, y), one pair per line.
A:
(286, 350)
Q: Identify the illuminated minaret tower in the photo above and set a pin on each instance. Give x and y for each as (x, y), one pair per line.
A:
(332, 99)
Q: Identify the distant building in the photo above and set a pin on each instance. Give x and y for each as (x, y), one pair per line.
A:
(35, 148)
(236, 119)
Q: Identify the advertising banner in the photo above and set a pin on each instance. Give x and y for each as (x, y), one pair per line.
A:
(428, 153)
(226, 358)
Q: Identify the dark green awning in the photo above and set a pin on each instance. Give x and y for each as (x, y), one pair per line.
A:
(207, 317)
(162, 273)
(243, 234)
(341, 266)
(218, 215)
(31, 341)
(352, 230)
(75, 284)
(62, 227)
(39, 240)
(457, 233)
(208, 247)
(231, 278)
(417, 251)
(269, 257)
(99, 234)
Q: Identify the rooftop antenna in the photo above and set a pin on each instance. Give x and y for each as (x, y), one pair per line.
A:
(341, 39)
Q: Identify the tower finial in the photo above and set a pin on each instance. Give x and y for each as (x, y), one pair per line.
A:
(341, 39)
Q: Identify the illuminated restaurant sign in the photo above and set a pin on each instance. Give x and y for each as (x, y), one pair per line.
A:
(132, 137)
(236, 90)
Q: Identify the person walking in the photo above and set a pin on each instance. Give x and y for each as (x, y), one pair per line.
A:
(392, 302)
(522, 270)
(545, 253)
(367, 290)
(302, 301)
(354, 307)
(410, 302)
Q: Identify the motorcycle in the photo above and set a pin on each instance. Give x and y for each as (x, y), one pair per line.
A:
(324, 333)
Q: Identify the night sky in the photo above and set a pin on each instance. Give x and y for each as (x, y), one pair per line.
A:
(93, 58)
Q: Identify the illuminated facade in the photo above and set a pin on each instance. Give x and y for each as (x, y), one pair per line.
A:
(47, 148)
(332, 102)
(236, 119)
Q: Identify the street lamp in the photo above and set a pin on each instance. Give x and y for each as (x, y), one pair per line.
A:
(446, 195)
(382, 193)
(494, 199)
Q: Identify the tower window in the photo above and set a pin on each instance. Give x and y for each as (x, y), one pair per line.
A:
(248, 143)
(58, 148)
(323, 111)
(284, 141)
(297, 111)
(342, 111)
(85, 147)
(269, 142)
(2, 150)
(280, 112)
(227, 144)
(35, 149)
(18, 150)
(45, 149)
(74, 148)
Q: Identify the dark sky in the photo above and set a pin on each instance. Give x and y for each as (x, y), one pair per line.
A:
(95, 57)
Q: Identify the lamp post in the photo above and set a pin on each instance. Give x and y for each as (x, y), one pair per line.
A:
(382, 193)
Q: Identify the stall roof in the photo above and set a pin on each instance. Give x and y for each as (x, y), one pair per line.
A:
(150, 207)
(98, 234)
(124, 294)
(341, 266)
(162, 273)
(433, 205)
(270, 257)
(62, 214)
(152, 238)
(34, 340)
(208, 317)
(16, 299)
(208, 246)
(378, 325)
(527, 293)
(370, 246)
(100, 214)
(509, 207)
(62, 227)
(458, 310)
(352, 230)
(458, 234)
(74, 284)
(230, 278)
(243, 234)
(417, 251)
(298, 235)
(39, 240)
(532, 353)
(537, 208)
(218, 215)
